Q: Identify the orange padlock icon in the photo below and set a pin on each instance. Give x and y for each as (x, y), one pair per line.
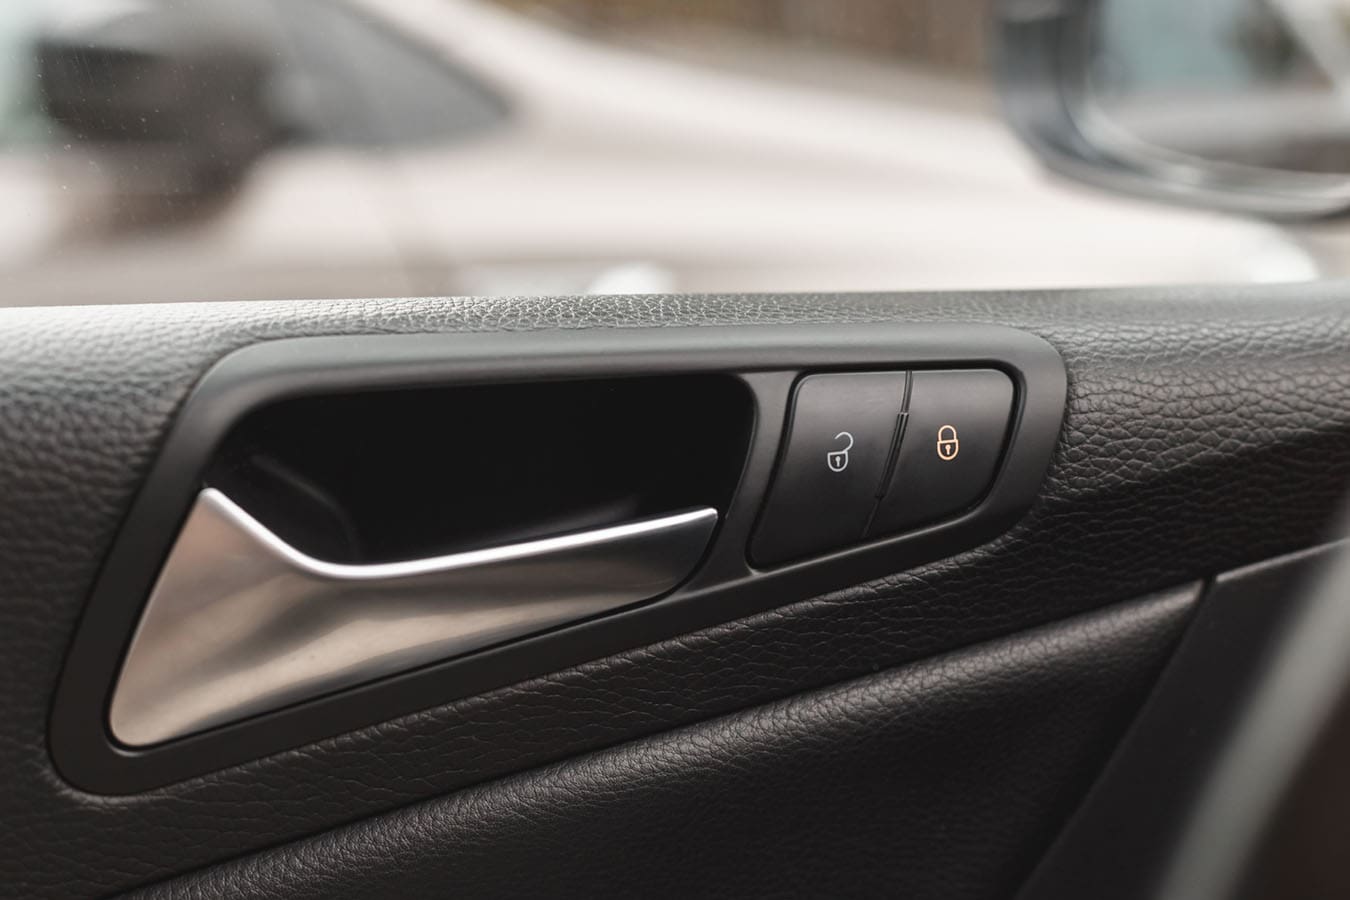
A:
(948, 444)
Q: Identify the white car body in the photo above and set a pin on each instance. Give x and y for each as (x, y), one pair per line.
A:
(618, 172)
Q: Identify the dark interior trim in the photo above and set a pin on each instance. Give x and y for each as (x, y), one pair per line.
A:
(879, 786)
(768, 359)
(1120, 843)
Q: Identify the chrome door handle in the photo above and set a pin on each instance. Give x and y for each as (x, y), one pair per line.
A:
(240, 622)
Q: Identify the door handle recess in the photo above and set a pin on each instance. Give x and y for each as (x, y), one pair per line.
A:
(240, 622)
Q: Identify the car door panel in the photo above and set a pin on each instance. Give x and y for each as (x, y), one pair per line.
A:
(1205, 429)
(876, 777)
(1127, 831)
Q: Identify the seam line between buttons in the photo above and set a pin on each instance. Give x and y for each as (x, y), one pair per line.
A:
(893, 455)
(901, 420)
(893, 458)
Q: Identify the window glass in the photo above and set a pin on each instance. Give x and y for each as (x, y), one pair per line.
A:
(160, 150)
(21, 116)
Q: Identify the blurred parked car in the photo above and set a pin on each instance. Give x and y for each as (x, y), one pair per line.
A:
(406, 147)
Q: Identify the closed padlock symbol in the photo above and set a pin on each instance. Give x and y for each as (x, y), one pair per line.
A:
(837, 460)
(948, 445)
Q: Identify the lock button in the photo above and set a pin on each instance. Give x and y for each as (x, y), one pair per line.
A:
(954, 435)
(843, 428)
(948, 443)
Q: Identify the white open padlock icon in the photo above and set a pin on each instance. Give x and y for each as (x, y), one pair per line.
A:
(837, 460)
(948, 445)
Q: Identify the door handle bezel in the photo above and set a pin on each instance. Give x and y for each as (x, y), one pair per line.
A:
(766, 359)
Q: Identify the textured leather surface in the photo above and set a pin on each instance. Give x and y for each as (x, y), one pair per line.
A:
(1205, 429)
(942, 779)
(1129, 828)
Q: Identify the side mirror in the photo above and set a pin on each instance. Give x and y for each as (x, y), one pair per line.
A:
(173, 96)
(1240, 105)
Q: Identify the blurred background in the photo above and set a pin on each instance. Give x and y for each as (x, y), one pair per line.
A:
(158, 150)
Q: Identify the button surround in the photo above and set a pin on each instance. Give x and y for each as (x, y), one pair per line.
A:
(933, 470)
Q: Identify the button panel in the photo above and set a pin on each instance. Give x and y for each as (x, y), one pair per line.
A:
(956, 427)
(872, 454)
(833, 469)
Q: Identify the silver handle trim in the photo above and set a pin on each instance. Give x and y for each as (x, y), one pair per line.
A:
(240, 622)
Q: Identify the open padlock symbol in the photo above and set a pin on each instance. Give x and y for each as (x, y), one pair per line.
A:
(838, 459)
(948, 444)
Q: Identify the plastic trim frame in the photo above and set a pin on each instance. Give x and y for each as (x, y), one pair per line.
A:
(767, 359)
(1039, 49)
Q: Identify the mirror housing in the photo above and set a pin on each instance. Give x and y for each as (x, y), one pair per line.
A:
(173, 98)
(1041, 63)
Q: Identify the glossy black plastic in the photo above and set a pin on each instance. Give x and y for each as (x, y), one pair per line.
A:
(404, 473)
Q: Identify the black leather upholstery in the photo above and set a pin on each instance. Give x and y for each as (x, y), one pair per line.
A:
(1202, 433)
(943, 779)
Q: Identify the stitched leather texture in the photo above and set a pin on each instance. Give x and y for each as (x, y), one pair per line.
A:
(943, 779)
(1205, 429)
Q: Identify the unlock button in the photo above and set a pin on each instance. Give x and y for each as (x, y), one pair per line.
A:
(831, 472)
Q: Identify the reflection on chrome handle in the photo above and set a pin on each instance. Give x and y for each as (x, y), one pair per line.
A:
(241, 623)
